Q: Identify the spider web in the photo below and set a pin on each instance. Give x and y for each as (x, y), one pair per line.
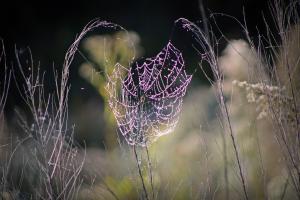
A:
(147, 98)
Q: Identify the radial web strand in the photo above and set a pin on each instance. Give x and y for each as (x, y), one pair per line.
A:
(147, 98)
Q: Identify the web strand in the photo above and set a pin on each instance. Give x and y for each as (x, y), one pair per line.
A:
(147, 99)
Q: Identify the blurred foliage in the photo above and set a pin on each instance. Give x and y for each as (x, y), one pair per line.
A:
(197, 161)
(104, 52)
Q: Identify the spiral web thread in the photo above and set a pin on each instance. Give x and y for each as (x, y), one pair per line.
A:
(146, 99)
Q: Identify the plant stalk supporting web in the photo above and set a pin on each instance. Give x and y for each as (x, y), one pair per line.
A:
(140, 172)
(150, 172)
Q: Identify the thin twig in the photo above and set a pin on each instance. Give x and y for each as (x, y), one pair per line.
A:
(150, 171)
(140, 172)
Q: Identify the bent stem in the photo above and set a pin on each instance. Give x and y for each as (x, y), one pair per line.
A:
(140, 172)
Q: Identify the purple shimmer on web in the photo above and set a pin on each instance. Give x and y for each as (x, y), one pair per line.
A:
(147, 98)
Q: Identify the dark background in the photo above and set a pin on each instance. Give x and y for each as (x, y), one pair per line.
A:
(48, 28)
